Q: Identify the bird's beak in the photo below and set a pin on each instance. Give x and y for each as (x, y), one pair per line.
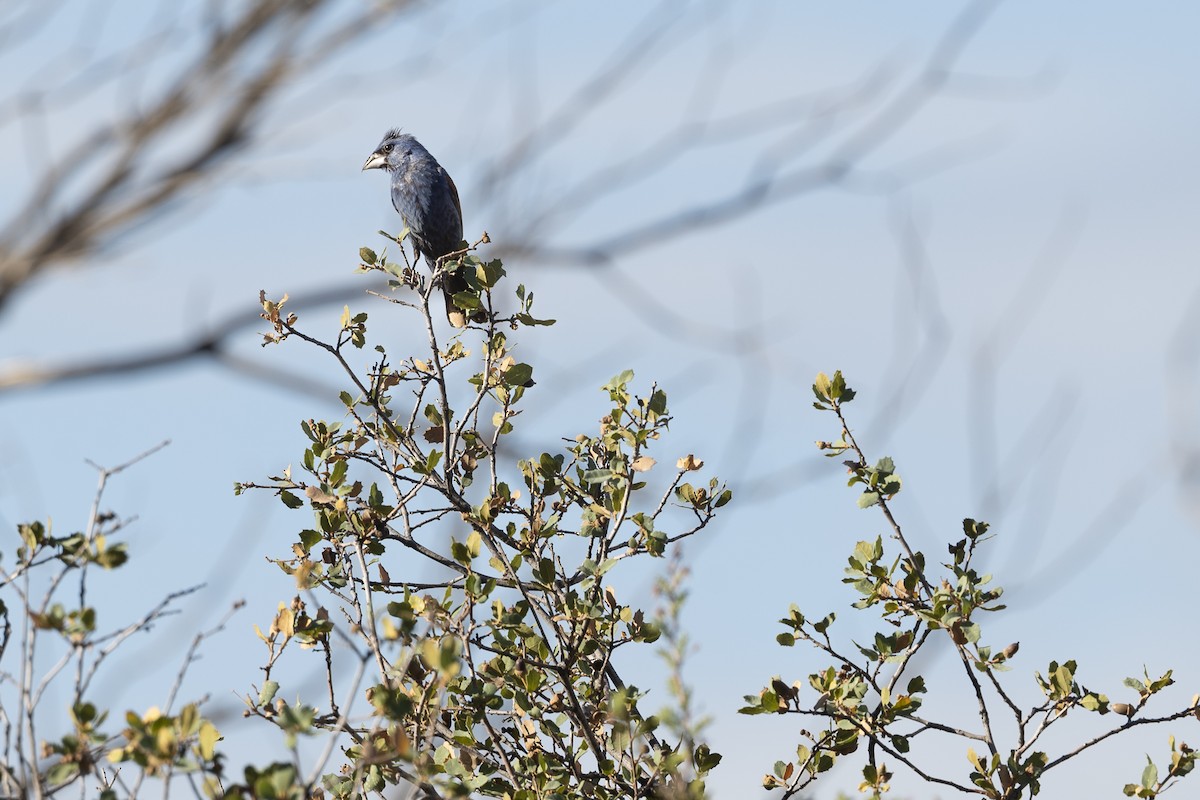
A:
(376, 161)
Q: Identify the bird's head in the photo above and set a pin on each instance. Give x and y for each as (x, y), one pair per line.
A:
(395, 149)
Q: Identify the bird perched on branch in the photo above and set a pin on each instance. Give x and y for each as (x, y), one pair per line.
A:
(427, 201)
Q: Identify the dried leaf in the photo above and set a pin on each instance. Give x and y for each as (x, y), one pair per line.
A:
(643, 464)
(319, 495)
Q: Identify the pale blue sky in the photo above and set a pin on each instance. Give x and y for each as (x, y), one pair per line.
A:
(1062, 240)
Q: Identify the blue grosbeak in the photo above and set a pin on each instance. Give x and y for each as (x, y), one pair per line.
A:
(427, 200)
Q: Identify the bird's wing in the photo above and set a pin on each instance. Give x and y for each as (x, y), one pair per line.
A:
(454, 195)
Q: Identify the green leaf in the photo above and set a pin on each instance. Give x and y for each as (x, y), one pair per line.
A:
(658, 402)
(62, 772)
(838, 388)
(619, 381)
(526, 319)
(267, 693)
(433, 414)
(518, 375)
(290, 500)
(822, 625)
(974, 529)
(431, 462)
(704, 759)
(594, 476)
(1135, 684)
(367, 255)
(868, 499)
(489, 273)
(1149, 775)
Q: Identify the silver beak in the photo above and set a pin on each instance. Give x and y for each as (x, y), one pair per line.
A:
(375, 161)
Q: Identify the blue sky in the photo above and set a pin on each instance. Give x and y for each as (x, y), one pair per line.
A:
(1056, 287)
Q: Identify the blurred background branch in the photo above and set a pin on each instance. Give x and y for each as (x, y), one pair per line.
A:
(121, 173)
(162, 153)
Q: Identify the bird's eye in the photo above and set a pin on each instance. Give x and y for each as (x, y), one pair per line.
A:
(387, 148)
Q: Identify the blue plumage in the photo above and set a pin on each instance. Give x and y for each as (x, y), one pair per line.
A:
(427, 200)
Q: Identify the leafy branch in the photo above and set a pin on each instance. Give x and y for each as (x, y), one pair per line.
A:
(501, 675)
(871, 695)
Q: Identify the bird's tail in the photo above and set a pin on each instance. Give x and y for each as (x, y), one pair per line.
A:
(452, 284)
(457, 317)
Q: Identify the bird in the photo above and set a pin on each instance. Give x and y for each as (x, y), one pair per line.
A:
(427, 200)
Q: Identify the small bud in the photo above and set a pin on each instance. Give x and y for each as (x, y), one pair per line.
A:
(1011, 650)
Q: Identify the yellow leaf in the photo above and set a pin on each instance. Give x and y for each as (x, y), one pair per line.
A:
(209, 736)
(822, 384)
(189, 718)
(688, 463)
(285, 622)
(165, 742)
